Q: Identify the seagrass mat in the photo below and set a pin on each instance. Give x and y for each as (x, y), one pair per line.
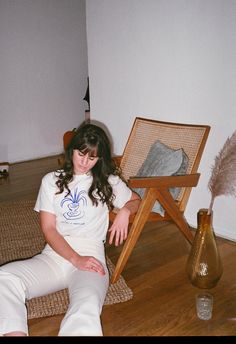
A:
(21, 237)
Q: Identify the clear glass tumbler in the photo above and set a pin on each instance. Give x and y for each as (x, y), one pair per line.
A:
(204, 306)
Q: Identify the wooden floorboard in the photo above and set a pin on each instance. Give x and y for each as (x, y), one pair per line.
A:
(164, 300)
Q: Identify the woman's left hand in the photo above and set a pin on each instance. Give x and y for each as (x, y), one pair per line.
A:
(119, 229)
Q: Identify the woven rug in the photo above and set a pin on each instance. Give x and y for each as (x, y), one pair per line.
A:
(21, 237)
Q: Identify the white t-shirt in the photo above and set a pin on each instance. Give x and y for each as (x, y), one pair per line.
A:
(76, 216)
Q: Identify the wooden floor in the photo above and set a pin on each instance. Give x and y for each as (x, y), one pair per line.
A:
(164, 300)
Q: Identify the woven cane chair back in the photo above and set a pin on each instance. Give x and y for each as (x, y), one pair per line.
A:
(190, 137)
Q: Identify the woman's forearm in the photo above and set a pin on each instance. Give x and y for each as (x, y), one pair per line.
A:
(55, 239)
(60, 245)
(132, 206)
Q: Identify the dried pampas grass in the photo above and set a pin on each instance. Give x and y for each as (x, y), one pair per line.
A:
(223, 176)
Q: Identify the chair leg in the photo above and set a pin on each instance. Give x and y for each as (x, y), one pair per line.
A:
(135, 231)
(168, 203)
(166, 200)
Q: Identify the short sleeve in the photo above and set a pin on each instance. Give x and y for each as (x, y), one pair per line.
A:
(46, 194)
(121, 191)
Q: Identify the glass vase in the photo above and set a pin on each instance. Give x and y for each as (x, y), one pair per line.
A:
(204, 266)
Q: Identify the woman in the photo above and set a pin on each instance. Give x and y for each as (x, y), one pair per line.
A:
(74, 206)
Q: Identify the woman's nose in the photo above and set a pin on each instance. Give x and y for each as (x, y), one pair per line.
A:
(84, 160)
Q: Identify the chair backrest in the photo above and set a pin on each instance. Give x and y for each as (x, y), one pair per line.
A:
(190, 137)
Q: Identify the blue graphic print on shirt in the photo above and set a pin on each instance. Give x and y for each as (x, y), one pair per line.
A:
(74, 200)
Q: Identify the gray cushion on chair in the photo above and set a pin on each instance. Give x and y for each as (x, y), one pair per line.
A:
(163, 161)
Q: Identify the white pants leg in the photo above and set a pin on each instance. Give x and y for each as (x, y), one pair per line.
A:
(13, 313)
(87, 291)
(25, 279)
(47, 273)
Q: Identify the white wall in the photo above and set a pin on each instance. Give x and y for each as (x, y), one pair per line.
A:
(43, 73)
(171, 60)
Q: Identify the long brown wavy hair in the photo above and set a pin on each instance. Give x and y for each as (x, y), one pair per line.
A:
(90, 138)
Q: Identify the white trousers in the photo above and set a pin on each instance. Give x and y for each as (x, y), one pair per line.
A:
(46, 273)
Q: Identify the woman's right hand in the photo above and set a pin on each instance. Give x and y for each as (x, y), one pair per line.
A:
(88, 263)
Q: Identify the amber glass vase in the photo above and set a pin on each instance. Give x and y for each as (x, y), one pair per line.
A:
(204, 266)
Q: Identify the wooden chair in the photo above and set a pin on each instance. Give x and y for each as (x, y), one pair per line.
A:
(192, 138)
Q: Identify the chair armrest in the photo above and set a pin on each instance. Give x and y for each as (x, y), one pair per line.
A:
(186, 180)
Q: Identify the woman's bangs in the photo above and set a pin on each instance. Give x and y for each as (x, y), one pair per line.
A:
(92, 151)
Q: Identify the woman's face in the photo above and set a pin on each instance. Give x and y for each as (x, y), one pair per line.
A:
(83, 163)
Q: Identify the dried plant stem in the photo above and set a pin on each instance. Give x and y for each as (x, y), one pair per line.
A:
(210, 206)
(223, 176)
